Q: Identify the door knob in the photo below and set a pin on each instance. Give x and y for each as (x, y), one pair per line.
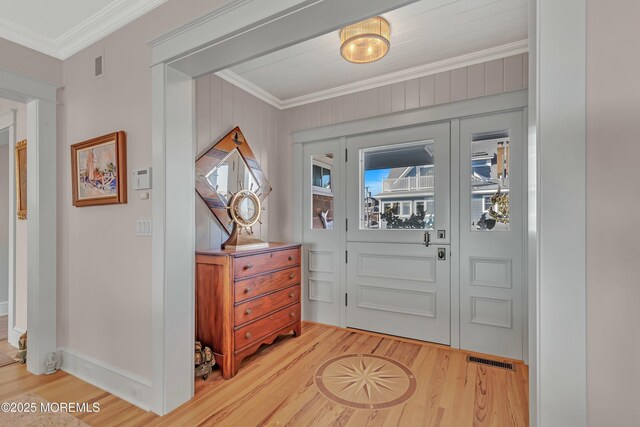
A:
(442, 254)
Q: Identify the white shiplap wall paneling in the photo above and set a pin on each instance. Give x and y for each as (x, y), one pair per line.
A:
(221, 106)
(475, 80)
(424, 32)
(443, 87)
(494, 76)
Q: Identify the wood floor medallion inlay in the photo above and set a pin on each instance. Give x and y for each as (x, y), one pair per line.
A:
(365, 381)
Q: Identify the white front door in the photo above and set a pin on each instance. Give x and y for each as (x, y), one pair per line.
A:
(323, 230)
(398, 212)
(492, 233)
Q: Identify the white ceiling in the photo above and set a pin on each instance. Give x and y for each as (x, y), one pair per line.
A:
(61, 28)
(426, 37)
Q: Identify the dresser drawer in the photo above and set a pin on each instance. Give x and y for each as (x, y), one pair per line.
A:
(258, 307)
(250, 288)
(259, 329)
(261, 263)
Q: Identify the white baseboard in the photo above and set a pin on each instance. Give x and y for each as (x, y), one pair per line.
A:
(120, 383)
(4, 308)
(14, 335)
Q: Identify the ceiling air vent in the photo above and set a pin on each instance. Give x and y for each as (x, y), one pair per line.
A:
(98, 69)
(489, 362)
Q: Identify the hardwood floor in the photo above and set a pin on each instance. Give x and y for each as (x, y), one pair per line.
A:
(278, 387)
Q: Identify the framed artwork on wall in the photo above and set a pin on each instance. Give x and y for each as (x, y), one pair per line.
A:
(21, 179)
(99, 170)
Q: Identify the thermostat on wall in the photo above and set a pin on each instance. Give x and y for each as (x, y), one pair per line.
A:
(142, 179)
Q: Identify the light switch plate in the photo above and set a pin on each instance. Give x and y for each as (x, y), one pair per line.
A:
(143, 227)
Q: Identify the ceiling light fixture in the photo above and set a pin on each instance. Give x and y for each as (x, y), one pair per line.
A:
(365, 41)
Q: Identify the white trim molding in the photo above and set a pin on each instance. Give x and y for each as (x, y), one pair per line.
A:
(14, 335)
(560, 98)
(112, 17)
(125, 385)
(27, 37)
(486, 55)
(203, 47)
(40, 98)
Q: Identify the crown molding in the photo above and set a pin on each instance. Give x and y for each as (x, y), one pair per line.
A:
(227, 7)
(99, 25)
(250, 87)
(474, 58)
(28, 38)
(106, 21)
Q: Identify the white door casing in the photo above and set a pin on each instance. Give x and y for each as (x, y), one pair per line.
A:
(40, 98)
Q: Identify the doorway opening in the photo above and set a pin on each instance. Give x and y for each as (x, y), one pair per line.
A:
(34, 119)
(431, 229)
(13, 227)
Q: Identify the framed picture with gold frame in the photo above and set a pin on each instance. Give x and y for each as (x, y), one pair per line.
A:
(99, 170)
(21, 179)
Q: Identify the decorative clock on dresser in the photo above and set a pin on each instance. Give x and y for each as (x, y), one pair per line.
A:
(248, 292)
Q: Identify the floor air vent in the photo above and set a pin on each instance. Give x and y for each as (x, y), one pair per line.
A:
(494, 363)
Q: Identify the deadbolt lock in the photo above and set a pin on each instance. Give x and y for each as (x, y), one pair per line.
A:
(442, 234)
(442, 254)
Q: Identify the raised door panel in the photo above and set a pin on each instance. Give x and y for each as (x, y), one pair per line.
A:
(399, 289)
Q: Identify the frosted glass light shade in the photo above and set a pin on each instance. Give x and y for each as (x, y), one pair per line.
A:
(365, 41)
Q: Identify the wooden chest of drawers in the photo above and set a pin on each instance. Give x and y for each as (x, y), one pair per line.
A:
(245, 299)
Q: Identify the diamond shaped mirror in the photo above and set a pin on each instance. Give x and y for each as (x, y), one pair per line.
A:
(226, 168)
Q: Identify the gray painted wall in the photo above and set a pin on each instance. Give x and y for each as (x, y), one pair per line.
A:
(116, 271)
(613, 203)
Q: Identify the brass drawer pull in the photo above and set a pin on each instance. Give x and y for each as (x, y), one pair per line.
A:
(248, 266)
(292, 275)
(248, 311)
(247, 335)
(290, 257)
(247, 290)
(291, 294)
(292, 314)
